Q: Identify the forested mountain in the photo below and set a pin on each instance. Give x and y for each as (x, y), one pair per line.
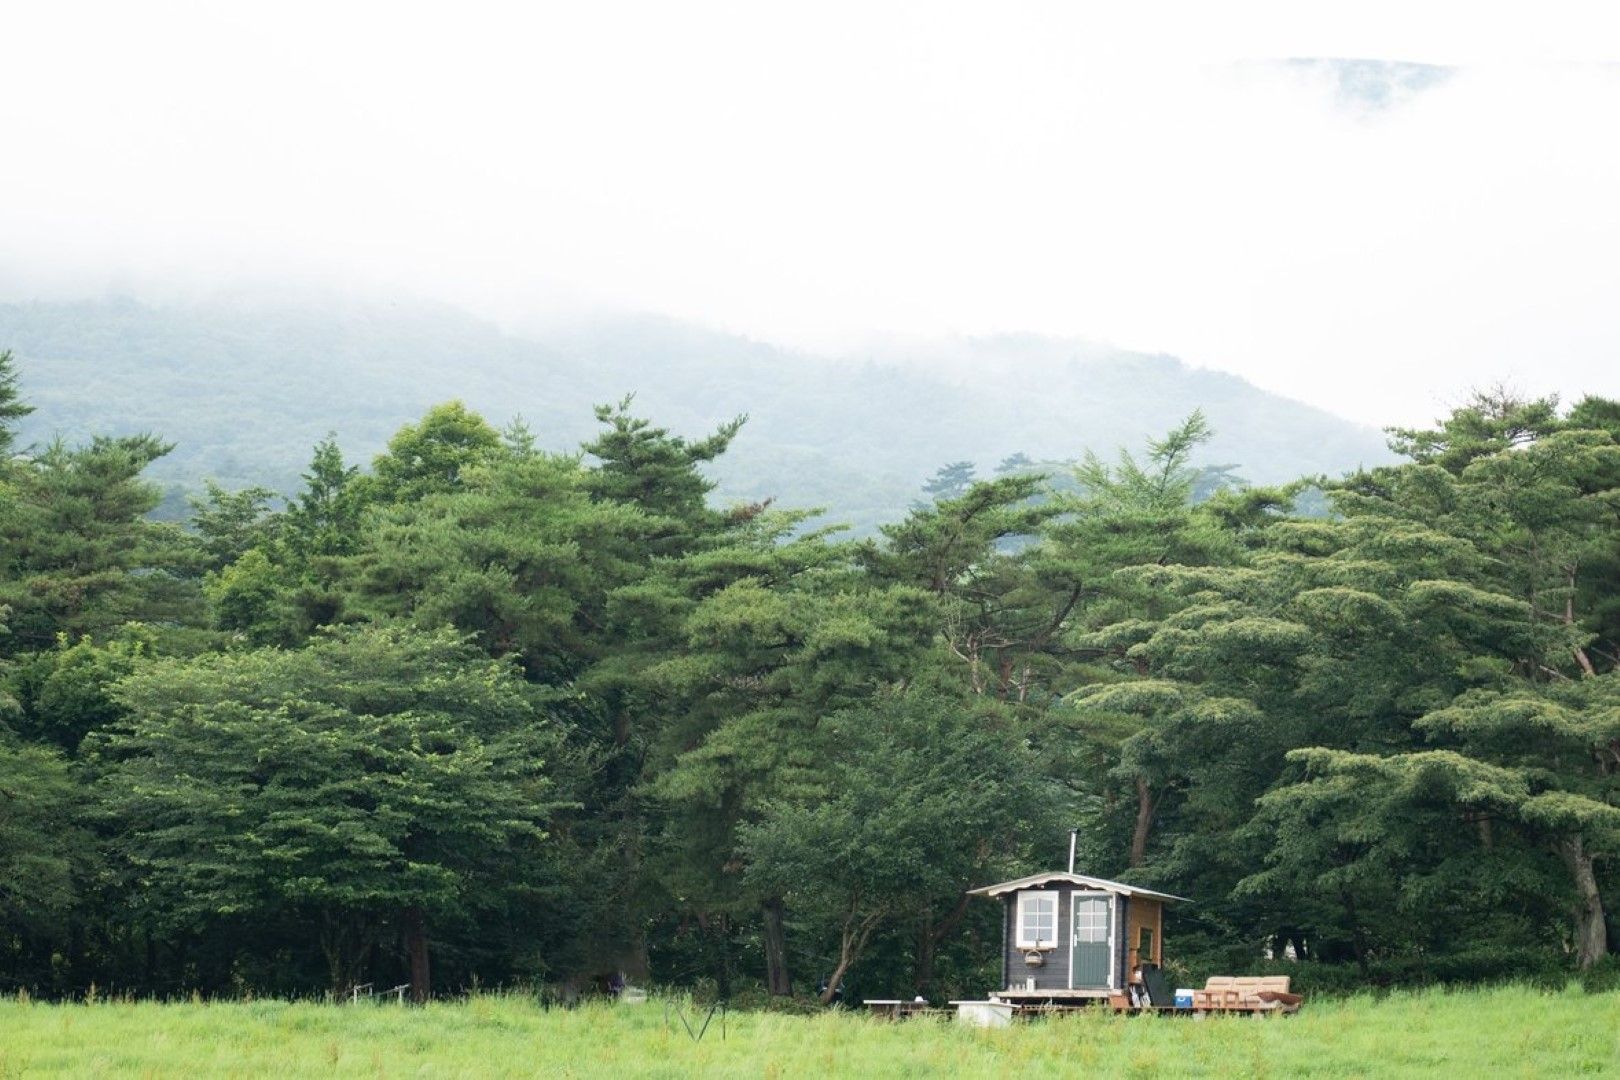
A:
(245, 388)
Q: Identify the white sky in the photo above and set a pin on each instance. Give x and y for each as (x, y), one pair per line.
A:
(813, 172)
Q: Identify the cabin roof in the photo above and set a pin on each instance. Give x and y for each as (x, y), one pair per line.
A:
(1073, 879)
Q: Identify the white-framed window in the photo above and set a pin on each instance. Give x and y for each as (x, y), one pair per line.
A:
(1090, 919)
(1037, 919)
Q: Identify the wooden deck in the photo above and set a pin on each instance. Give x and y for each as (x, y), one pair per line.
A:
(1018, 993)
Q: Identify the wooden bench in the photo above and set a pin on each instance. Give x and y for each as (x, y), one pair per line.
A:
(1246, 993)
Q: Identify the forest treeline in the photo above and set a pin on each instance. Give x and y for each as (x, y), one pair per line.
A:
(481, 714)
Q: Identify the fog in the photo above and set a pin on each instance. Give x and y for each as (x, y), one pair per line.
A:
(1372, 239)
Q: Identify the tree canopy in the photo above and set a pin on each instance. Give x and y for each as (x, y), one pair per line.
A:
(482, 713)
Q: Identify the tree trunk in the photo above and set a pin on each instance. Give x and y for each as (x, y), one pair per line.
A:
(181, 961)
(856, 931)
(925, 954)
(931, 935)
(343, 943)
(1569, 620)
(76, 950)
(829, 995)
(1145, 803)
(1358, 936)
(777, 982)
(722, 976)
(1591, 933)
(633, 961)
(416, 947)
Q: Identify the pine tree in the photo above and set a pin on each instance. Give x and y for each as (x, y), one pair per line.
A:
(12, 407)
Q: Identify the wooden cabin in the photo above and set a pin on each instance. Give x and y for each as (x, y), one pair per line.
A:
(1070, 936)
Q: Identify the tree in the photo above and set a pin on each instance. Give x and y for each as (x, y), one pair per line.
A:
(1490, 421)
(1002, 604)
(1536, 492)
(77, 553)
(1153, 726)
(274, 579)
(1368, 858)
(1451, 644)
(950, 482)
(1015, 463)
(325, 518)
(911, 800)
(1546, 761)
(380, 775)
(1338, 635)
(44, 850)
(519, 556)
(288, 574)
(430, 455)
(1127, 521)
(230, 522)
(12, 407)
(63, 694)
(646, 467)
(782, 632)
(525, 561)
(251, 598)
(1164, 485)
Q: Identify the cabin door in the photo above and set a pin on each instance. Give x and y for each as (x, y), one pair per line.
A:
(1091, 943)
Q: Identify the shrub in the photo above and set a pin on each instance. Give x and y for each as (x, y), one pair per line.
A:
(1602, 977)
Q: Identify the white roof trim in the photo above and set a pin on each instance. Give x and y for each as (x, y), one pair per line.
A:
(1072, 879)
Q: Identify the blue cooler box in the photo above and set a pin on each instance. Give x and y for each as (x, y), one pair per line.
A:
(1184, 999)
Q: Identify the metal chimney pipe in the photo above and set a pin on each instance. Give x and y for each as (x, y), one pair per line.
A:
(1072, 833)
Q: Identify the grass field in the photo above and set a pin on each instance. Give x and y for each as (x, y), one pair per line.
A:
(1501, 1032)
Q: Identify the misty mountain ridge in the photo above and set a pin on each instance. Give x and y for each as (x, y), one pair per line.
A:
(1368, 85)
(245, 388)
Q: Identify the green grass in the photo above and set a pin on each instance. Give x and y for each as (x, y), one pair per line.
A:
(1502, 1032)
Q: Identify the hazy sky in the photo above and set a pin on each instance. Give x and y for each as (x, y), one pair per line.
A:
(814, 172)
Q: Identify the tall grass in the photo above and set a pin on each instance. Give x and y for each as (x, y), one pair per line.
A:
(1509, 1031)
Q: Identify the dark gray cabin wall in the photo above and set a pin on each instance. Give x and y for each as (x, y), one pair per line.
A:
(1006, 936)
(1052, 975)
(1122, 921)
